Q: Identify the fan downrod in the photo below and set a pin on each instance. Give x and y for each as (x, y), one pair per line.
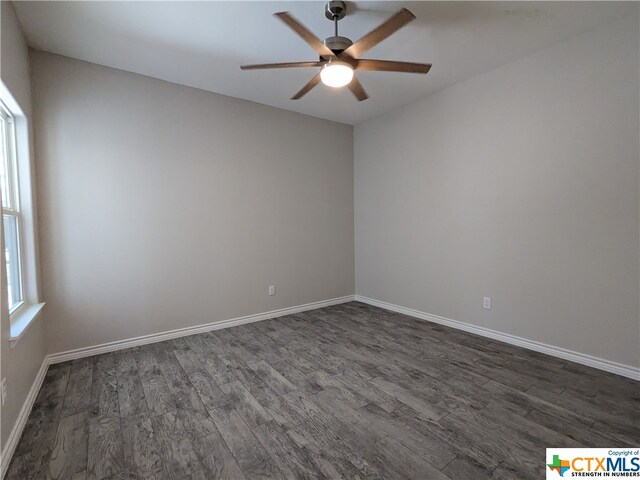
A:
(334, 11)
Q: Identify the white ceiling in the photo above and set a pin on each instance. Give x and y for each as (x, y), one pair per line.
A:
(202, 44)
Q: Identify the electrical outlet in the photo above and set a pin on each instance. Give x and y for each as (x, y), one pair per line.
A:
(3, 387)
(272, 290)
(486, 303)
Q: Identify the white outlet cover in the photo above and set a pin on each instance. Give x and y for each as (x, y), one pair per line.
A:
(486, 303)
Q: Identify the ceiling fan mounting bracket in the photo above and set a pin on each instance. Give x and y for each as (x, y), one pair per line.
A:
(335, 10)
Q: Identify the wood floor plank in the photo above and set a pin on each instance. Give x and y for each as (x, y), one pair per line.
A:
(142, 455)
(79, 476)
(156, 391)
(197, 423)
(462, 468)
(361, 385)
(333, 458)
(69, 453)
(277, 408)
(299, 362)
(246, 405)
(340, 430)
(437, 453)
(606, 413)
(105, 452)
(272, 377)
(576, 430)
(355, 429)
(410, 399)
(296, 377)
(28, 466)
(216, 458)
(512, 443)
(321, 358)
(131, 399)
(55, 382)
(395, 460)
(260, 346)
(208, 390)
(590, 381)
(266, 470)
(104, 388)
(338, 389)
(239, 368)
(315, 426)
(221, 371)
(506, 471)
(188, 359)
(78, 395)
(239, 438)
(294, 462)
(190, 408)
(178, 454)
(458, 442)
(281, 334)
(40, 430)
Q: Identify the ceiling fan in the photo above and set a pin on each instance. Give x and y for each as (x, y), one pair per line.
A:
(339, 56)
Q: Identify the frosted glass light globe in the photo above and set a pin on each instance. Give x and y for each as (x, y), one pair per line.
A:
(336, 74)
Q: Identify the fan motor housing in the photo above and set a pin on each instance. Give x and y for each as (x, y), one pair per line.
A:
(337, 43)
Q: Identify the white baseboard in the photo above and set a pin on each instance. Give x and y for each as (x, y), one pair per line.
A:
(577, 357)
(183, 332)
(16, 431)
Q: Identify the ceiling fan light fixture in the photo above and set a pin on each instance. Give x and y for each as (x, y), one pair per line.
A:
(339, 56)
(336, 74)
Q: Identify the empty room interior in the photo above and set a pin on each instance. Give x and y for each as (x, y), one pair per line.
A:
(310, 240)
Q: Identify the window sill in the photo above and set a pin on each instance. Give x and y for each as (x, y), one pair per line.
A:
(21, 320)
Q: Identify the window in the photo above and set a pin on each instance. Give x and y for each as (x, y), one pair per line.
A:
(10, 209)
(17, 217)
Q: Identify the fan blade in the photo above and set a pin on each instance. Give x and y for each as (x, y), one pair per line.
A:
(375, 36)
(310, 84)
(262, 66)
(356, 88)
(306, 35)
(391, 66)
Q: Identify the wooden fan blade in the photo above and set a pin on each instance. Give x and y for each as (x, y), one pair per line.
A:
(391, 66)
(375, 36)
(310, 84)
(262, 66)
(356, 87)
(304, 32)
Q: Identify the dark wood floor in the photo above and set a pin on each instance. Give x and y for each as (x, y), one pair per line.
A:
(349, 391)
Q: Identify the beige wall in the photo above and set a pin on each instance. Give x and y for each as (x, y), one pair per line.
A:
(163, 206)
(19, 365)
(521, 184)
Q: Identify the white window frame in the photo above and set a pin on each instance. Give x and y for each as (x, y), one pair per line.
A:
(13, 194)
(21, 205)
